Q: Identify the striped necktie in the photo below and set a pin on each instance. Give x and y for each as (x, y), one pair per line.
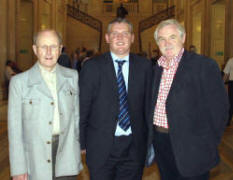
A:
(123, 116)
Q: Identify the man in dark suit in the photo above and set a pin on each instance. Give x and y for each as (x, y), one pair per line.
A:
(189, 108)
(114, 92)
(64, 59)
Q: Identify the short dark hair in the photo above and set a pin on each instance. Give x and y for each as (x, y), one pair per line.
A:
(120, 20)
(8, 62)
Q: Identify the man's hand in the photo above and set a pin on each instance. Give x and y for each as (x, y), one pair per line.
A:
(83, 151)
(20, 177)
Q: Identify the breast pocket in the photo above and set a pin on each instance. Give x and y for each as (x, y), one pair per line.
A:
(70, 97)
(31, 109)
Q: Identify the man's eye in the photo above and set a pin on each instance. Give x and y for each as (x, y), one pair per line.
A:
(54, 47)
(161, 39)
(114, 33)
(125, 33)
(173, 37)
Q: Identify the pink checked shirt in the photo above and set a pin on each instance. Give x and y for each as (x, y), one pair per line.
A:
(169, 71)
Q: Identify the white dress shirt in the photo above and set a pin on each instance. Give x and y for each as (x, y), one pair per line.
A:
(125, 71)
(50, 79)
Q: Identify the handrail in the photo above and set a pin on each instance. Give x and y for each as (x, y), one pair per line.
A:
(86, 19)
(156, 18)
(153, 20)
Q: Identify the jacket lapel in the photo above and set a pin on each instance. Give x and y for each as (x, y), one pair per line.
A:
(62, 77)
(35, 79)
(133, 70)
(179, 77)
(110, 73)
(157, 75)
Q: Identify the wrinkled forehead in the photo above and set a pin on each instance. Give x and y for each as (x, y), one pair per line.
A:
(168, 30)
(47, 37)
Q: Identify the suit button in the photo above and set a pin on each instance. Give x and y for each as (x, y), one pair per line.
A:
(50, 122)
(48, 142)
(52, 103)
(30, 102)
(48, 160)
(60, 114)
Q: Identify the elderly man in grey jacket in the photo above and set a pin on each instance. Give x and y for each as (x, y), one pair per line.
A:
(43, 116)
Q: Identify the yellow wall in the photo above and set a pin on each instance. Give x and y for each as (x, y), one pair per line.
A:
(3, 42)
(80, 35)
(217, 32)
(25, 35)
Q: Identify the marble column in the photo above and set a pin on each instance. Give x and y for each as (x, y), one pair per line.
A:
(11, 37)
(3, 43)
(187, 23)
(228, 31)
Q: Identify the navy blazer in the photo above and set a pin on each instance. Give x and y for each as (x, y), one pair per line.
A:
(197, 110)
(99, 106)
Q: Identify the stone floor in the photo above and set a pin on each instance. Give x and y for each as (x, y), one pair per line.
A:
(224, 171)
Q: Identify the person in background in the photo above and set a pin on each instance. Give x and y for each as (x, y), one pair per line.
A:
(192, 48)
(155, 56)
(189, 108)
(64, 59)
(114, 108)
(9, 72)
(228, 79)
(43, 116)
(89, 54)
(75, 59)
(121, 11)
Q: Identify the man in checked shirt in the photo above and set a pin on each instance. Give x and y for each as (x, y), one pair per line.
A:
(189, 108)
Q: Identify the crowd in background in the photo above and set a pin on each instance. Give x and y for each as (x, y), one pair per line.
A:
(77, 58)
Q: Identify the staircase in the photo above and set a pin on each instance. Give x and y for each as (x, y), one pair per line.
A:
(84, 18)
(153, 20)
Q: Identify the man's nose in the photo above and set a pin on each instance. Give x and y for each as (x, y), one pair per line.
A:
(119, 35)
(167, 42)
(49, 50)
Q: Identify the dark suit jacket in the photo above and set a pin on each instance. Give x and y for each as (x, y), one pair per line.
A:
(99, 106)
(197, 109)
(64, 60)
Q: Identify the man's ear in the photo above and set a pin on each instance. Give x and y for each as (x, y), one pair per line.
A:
(60, 48)
(34, 49)
(107, 37)
(132, 40)
(183, 39)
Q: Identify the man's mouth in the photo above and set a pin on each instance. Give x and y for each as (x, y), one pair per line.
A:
(48, 58)
(120, 43)
(168, 48)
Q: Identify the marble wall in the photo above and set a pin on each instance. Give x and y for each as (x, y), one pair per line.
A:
(3, 43)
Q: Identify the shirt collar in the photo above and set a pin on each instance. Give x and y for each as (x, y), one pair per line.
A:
(114, 57)
(43, 70)
(162, 61)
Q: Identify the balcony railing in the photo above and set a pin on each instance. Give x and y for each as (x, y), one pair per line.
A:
(153, 20)
(111, 8)
(86, 19)
(78, 4)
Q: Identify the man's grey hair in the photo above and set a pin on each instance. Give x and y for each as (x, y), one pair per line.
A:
(167, 22)
(36, 35)
(120, 20)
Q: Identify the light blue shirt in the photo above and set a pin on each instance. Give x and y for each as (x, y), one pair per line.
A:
(125, 71)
